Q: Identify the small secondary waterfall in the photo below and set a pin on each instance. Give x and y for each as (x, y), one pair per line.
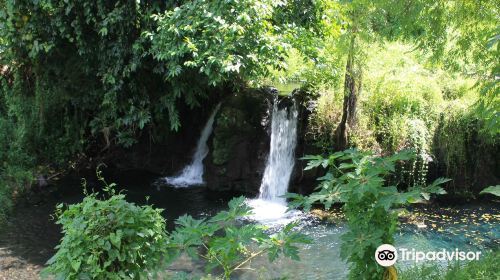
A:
(271, 206)
(281, 159)
(193, 173)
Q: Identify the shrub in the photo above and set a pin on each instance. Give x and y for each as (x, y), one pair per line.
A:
(358, 179)
(455, 132)
(455, 87)
(396, 88)
(391, 106)
(108, 239)
(16, 166)
(116, 239)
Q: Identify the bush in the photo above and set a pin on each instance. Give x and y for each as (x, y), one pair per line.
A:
(108, 239)
(455, 132)
(16, 166)
(392, 105)
(455, 87)
(397, 88)
(324, 120)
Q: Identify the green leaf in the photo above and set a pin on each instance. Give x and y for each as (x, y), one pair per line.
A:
(75, 264)
(425, 195)
(346, 165)
(115, 240)
(494, 190)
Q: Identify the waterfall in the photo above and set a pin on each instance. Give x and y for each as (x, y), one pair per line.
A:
(271, 206)
(281, 159)
(193, 173)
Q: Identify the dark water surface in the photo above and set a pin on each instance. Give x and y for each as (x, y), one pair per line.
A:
(31, 234)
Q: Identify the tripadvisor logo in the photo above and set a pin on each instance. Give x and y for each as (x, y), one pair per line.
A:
(387, 255)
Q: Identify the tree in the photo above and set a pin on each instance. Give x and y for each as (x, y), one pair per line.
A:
(220, 41)
(360, 22)
(461, 36)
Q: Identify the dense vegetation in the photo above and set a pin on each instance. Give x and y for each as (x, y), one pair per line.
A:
(80, 80)
(407, 105)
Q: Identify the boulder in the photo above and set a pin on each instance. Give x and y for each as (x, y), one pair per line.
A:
(240, 142)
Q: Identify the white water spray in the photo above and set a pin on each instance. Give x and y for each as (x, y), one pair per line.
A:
(271, 206)
(193, 173)
(282, 154)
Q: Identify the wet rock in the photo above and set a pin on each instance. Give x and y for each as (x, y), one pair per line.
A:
(240, 142)
(304, 181)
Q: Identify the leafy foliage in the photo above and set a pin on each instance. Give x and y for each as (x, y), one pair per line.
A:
(5, 202)
(226, 244)
(494, 190)
(16, 163)
(461, 148)
(108, 239)
(219, 40)
(80, 77)
(359, 180)
(462, 36)
(48, 45)
(409, 104)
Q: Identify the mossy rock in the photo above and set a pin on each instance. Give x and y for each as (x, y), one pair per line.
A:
(232, 124)
(240, 142)
(239, 118)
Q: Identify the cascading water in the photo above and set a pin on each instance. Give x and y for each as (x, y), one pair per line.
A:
(193, 173)
(282, 154)
(271, 207)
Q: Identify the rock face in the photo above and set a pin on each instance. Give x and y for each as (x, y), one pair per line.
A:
(240, 142)
(161, 150)
(303, 182)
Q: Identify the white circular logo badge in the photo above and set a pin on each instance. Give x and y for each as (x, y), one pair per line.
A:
(386, 255)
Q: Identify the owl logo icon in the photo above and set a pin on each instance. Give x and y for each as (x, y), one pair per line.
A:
(386, 255)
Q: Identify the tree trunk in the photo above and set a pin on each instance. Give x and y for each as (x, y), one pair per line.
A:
(352, 88)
